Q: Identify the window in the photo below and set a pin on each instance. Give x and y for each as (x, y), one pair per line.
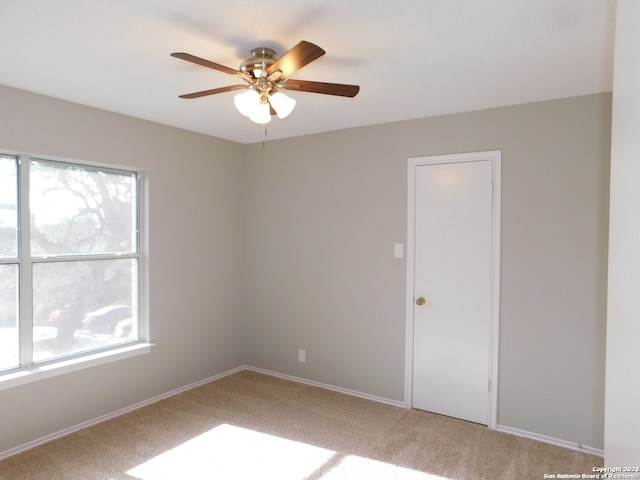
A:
(69, 261)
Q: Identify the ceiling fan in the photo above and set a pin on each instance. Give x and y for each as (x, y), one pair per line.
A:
(265, 75)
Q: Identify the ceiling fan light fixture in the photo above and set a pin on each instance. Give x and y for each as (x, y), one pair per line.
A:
(261, 113)
(282, 104)
(264, 74)
(247, 102)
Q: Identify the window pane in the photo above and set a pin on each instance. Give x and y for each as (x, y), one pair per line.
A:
(83, 305)
(8, 206)
(80, 210)
(8, 316)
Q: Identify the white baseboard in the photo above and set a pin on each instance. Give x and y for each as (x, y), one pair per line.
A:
(553, 441)
(117, 413)
(501, 428)
(108, 416)
(346, 391)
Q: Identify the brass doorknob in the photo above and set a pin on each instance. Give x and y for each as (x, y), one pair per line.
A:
(420, 301)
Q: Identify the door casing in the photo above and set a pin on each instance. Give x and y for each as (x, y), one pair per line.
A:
(495, 156)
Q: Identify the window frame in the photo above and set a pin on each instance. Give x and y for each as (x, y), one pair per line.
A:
(28, 371)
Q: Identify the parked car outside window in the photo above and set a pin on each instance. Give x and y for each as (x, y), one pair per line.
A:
(105, 319)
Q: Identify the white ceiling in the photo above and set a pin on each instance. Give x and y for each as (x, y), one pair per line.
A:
(411, 58)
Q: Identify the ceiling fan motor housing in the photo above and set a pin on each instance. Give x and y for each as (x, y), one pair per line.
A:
(261, 59)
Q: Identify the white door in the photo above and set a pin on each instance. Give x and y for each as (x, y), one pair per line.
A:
(453, 271)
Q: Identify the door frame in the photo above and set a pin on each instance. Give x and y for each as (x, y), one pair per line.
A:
(495, 156)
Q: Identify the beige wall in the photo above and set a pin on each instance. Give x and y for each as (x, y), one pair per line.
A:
(195, 227)
(257, 251)
(322, 215)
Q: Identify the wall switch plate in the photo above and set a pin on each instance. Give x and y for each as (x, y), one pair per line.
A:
(302, 356)
(398, 250)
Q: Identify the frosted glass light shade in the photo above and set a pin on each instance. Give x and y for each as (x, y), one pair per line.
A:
(261, 113)
(247, 102)
(282, 104)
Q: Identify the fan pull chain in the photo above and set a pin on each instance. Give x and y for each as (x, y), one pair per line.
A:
(264, 134)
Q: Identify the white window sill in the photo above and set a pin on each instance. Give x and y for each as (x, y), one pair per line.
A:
(48, 370)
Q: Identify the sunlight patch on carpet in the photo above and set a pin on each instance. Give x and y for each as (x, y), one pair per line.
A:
(358, 468)
(233, 452)
(228, 451)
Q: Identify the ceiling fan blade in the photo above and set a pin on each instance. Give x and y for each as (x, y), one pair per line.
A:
(339, 89)
(302, 54)
(213, 91)
(206, 63)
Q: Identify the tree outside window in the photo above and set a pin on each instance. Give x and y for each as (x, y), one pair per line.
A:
(76, 263)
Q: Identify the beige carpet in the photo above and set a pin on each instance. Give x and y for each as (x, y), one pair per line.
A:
(254, 426)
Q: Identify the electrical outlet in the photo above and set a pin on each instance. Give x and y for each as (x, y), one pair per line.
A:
(302, 356)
